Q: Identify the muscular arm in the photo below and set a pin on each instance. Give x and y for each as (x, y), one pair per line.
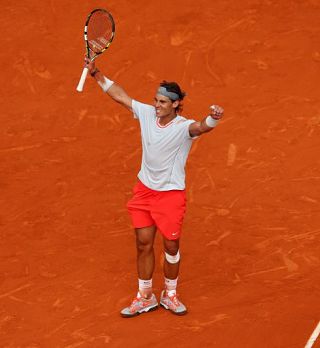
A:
(116, 92)
(198, 128)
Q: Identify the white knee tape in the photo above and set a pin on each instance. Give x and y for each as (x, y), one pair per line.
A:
(173, 258)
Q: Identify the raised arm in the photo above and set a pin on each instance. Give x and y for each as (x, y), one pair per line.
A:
(116, 92)
(208, 123)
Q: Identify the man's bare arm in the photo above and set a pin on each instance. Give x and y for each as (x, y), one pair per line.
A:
(208, 123)
(116, 92)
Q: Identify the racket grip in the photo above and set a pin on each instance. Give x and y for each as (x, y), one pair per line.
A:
(82, 79)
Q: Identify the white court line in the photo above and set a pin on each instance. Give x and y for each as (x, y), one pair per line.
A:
(313, 337)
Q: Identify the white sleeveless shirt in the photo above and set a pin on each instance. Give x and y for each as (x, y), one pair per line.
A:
(164, 149)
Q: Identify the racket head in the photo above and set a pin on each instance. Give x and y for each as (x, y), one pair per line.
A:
(99, 32)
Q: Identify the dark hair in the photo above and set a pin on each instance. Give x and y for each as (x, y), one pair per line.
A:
(175, 88)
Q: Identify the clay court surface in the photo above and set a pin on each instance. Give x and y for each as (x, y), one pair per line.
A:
(250, 246)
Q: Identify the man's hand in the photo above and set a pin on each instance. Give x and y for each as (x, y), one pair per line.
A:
(89, 65)
(216, 112)
(208, 123)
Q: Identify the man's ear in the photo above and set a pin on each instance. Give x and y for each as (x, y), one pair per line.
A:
(176, 103)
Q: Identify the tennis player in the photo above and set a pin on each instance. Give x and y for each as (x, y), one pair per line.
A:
(159, 197)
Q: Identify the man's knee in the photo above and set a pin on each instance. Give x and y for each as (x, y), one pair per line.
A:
(144, 245)
(145, 238)
(171, 251)
(171, 246)
(173, 259)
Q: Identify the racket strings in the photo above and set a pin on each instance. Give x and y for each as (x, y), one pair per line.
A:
(100, 31)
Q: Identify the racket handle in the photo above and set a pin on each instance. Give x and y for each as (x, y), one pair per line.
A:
(82, 79)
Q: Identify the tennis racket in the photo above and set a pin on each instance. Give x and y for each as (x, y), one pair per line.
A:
(99, 32)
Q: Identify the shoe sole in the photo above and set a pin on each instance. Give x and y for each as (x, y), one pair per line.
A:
(145, 310)
(173, 312)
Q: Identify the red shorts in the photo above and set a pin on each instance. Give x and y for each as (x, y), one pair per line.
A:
(165, 209)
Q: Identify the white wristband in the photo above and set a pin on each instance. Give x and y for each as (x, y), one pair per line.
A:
(211, 122)
(106, 84)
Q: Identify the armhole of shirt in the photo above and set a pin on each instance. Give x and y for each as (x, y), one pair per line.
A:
(189, 135)
(135, 116)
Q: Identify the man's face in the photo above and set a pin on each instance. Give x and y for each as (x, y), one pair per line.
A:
(164, 106)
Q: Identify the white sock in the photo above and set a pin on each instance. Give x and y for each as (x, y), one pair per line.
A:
(144, 286)
(171, 286)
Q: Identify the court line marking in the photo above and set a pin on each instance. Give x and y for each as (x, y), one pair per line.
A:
(9, 293)
(313, 336)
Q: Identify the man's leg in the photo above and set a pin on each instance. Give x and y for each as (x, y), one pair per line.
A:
(169, 299)
(145, 300)
(171, 248)
(145, 258)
